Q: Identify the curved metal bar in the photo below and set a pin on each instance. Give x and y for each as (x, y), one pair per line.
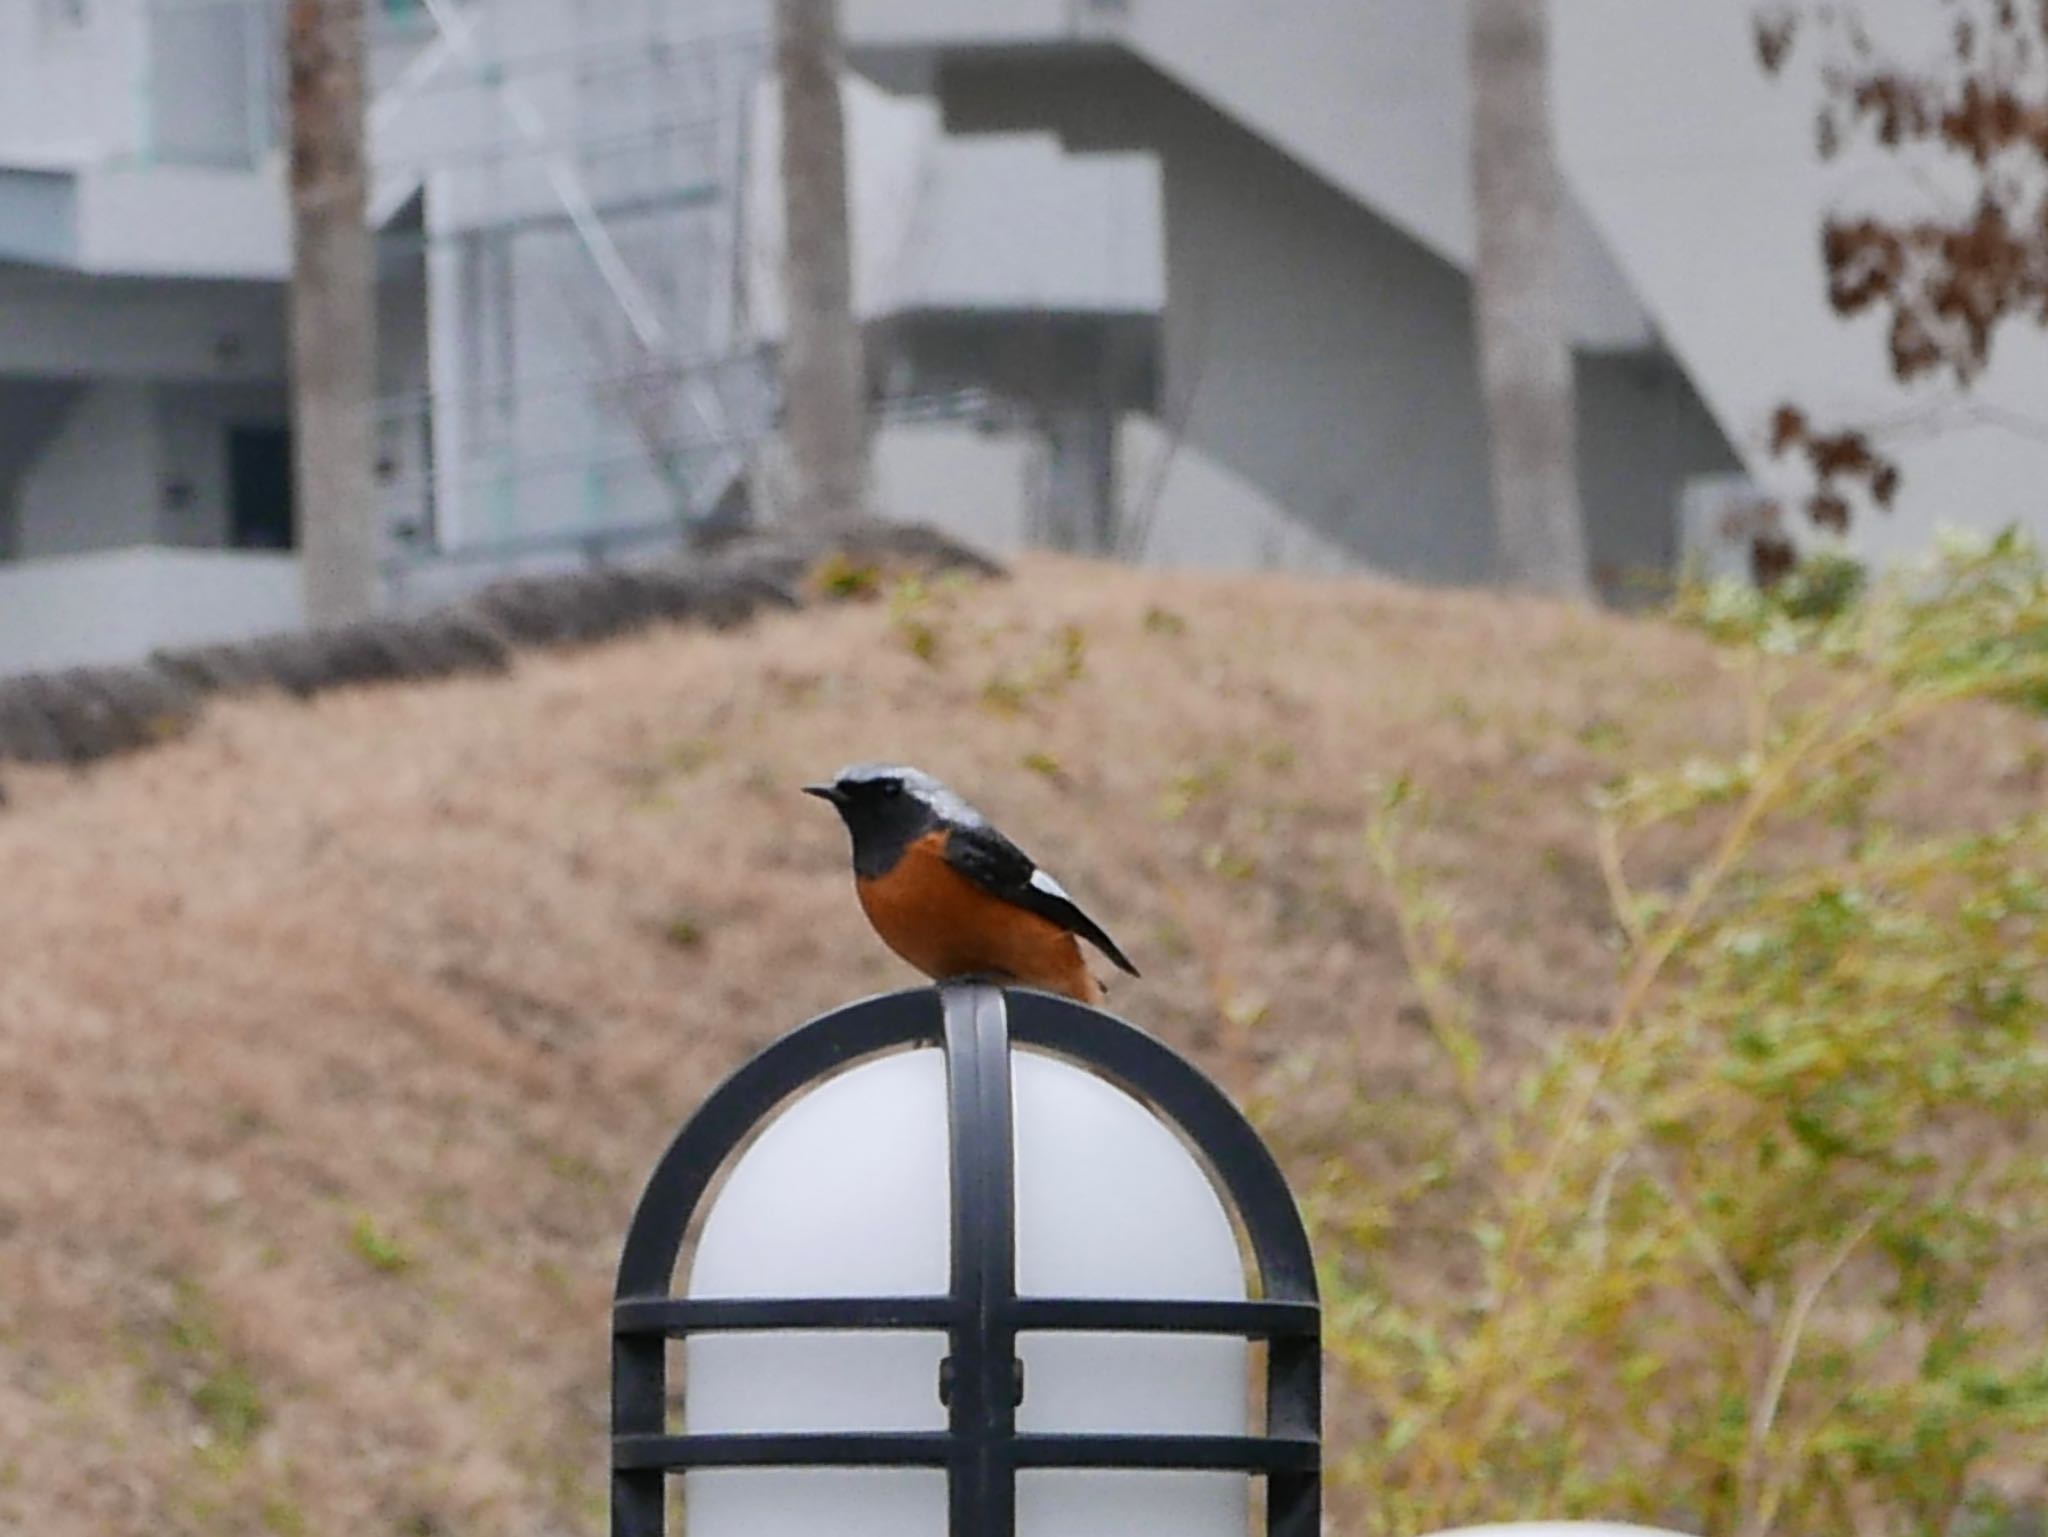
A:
(1244, 1166)
(915, 1449)
(750, 1096)
(1221, 1454)
(654, 1239)
(1119, 1315)
(677, 1316)
(821, 1449)
(671, 1316)
(1173, 1087)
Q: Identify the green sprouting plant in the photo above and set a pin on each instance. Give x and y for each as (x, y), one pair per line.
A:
(1760, 1252)
(841, 576)
(377, 1247)
(914, 618)
(218, 1383)
(1821, 586)
(1061, 661)
(1189, 787)
(1164, 621)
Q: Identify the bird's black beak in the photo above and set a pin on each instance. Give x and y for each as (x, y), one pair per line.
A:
(830, 793)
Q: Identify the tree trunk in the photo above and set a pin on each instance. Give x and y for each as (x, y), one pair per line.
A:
(824, 389)
(333, 312)
(1525, 355)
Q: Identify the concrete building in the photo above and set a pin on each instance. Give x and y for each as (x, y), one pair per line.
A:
(1013, 293)
(555, 186)
(569, 362)
(141, 238)
(1318, 231)
(1180, 279)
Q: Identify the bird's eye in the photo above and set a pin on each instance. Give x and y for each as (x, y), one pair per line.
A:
(890, 788)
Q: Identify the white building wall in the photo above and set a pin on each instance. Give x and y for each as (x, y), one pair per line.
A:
(529, 438)
(1698, 192)
(972, 484)
(193, 423)
(551, 415)
(215, 86)
(95, 486)
(949, 23)
(403, 427)
(1644, 438)
(986, 222)
(1318, 339)
(1325, 357)
(449, 340)
(1179, 507)
(163, 114)
(58, 326)
(185, 221)
(138, 464)
(69, 89)
(118, 606)
(165, 117)
(1321, 355)
(1184, 509)
(1704, 175)
(1373, 98)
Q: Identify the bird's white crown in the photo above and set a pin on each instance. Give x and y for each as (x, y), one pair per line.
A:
(946, 805)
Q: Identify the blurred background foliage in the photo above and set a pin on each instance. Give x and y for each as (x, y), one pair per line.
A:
(1747, 1257)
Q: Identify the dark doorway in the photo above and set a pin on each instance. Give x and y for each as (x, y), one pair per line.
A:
(260, 489)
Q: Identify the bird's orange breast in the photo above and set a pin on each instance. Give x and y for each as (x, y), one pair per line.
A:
(947, 926)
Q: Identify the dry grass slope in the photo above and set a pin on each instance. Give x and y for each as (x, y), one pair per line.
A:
(335, 1037)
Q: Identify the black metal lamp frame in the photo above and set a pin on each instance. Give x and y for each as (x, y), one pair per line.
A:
(982, 1315)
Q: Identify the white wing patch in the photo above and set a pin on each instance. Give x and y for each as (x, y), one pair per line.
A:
(1049, 886)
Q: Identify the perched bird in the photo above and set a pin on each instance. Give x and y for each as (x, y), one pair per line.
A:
(953, 896)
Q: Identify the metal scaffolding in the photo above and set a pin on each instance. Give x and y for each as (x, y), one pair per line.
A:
(567, 364)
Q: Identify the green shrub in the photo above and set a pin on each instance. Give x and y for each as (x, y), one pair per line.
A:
(1822, 586)
(1764, 1251)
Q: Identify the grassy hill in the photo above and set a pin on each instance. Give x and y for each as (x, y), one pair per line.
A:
(335, 1038)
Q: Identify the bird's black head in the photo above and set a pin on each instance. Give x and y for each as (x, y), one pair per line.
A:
(885, 810)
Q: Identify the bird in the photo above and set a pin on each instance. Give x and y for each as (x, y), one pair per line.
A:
(951, 895)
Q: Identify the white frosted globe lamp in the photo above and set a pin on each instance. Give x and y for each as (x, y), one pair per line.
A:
(965, 1262)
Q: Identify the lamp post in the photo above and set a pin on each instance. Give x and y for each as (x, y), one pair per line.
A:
(966, 1262)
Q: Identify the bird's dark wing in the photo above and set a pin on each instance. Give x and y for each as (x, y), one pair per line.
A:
(997, 865)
